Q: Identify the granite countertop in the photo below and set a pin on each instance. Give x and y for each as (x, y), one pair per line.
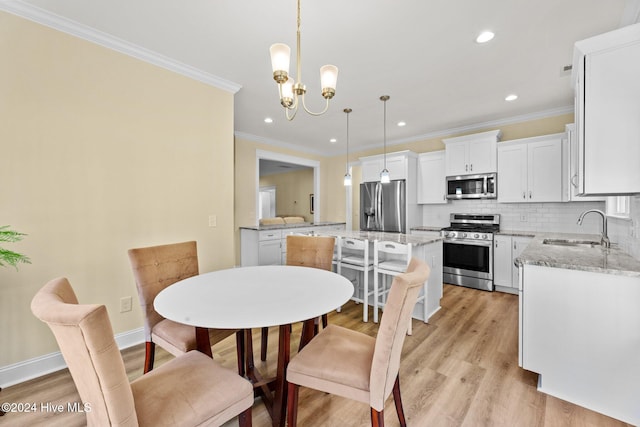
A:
(382, 236)
(287, 226)
(426, 228)
(595, 259)
(518, 233)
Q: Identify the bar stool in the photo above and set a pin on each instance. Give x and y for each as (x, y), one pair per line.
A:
(391, 259)
(354, 255)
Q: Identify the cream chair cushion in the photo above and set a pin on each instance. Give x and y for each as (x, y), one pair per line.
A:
(189, 390)
(353, 365)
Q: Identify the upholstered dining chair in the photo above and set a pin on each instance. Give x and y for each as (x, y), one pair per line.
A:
(155, 268)
(306, 251)
(351, 364)
(190, 390)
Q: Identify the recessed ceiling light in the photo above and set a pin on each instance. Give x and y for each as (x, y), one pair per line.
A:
(402, 124)
(333, 140)
(511, 97)
(268, 120)
(484, 37)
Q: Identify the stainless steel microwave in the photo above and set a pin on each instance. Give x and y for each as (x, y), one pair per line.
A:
(481, 186)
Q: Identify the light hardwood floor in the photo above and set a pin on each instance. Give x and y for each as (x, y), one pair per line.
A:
(461, 369)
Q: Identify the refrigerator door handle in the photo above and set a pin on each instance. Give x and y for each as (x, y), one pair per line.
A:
(379, 217)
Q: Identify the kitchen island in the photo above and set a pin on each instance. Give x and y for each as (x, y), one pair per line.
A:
(426, 248)
(580, 322)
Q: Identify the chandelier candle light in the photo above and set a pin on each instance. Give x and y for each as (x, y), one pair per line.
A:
(384, 175)
(347, 176)
(290, 91)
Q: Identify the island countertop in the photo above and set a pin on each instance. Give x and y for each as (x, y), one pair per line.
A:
(415, 240)
(594, 259)
(288, 226)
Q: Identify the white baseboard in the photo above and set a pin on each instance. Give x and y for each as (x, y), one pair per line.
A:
(52, 362)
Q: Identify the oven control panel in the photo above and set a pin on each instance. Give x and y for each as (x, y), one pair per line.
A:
(467, 235)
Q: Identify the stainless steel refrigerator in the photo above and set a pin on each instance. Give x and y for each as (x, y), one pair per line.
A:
(383, 206)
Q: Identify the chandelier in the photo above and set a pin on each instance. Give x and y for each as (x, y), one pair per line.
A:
(290, 91)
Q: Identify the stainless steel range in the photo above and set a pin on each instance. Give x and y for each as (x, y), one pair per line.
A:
(468, 250)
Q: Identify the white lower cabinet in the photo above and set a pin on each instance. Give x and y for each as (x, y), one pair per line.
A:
(269, 247)
(505, 251)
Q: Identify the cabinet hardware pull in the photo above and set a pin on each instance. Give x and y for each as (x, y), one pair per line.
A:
(524, 195)
(471, 167)
(529, 194)
(466, 168)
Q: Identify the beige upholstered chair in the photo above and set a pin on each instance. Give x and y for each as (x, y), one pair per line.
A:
(306, 251)
(190, 390)
(311, 251)
(155, 268)
(354, 365)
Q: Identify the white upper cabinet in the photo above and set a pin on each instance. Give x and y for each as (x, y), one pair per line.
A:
(607, 110)
(530, 170)
(570, 152)
(471, 154)
(431, 178)
(397, 165)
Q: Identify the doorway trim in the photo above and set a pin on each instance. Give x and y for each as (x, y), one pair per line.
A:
(315, 164)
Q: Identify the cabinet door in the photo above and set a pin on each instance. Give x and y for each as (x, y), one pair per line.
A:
(482, 156)
(269, 252)
(544, 176)
(502, 261)
(431, 178)
(611, 125)
(397, 167)
(371, 170)
(518, 245)
(512, 173)
(456, 159)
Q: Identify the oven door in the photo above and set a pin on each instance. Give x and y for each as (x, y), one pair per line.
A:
(469, 258)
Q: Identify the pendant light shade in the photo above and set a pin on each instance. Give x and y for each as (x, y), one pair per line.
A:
(384, 175)
(347, 176)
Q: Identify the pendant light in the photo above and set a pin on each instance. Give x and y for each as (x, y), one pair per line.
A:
(347, 176)
(384, 175)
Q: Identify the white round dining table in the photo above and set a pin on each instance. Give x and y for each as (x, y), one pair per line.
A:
(256, 297)
(253, 297)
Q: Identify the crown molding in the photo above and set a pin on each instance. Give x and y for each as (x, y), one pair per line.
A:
(92, 35)
(431, 135)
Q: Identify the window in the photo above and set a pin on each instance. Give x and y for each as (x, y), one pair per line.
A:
(618, 206)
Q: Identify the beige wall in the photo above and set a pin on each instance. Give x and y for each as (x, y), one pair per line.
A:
(292, 192)
(101, 153)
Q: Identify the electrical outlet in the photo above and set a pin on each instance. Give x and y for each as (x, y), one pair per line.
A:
(523, 217)
(125, 304)
(213, 220)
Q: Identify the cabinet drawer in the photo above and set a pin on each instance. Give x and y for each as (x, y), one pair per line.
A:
(269, 235)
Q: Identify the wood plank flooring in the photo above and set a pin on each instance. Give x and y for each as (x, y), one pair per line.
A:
(461, 369)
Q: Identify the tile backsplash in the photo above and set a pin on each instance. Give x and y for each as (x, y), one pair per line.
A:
(560, 217)
(554, 217)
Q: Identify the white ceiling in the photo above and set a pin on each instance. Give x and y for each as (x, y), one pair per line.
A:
(421, 53)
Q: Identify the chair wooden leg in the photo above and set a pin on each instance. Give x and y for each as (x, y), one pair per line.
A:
(398, 401)
(244, 419)
(325, 321)
(292, 407)
(377, 418)
(149, 355)
(263, 344)
(240, 351)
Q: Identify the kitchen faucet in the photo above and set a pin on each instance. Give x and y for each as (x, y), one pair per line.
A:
(604, 241)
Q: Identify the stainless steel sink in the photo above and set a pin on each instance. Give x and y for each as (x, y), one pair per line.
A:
(566, 242)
